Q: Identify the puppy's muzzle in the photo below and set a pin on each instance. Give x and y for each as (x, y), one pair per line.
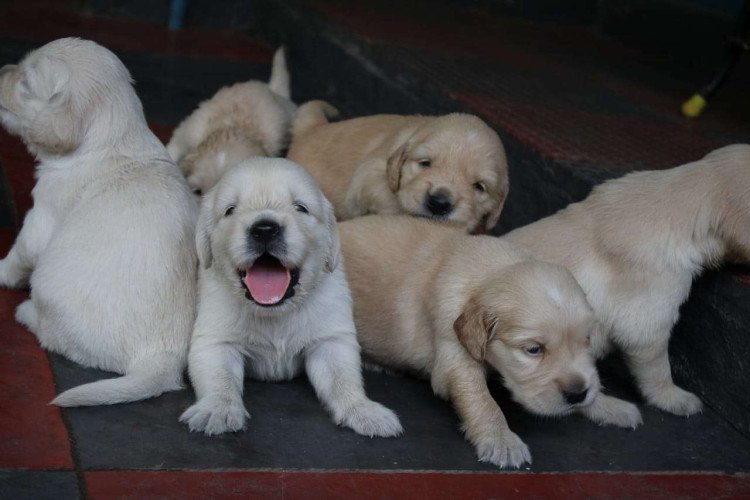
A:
(268, 282)
(574, 398)
(439, 203)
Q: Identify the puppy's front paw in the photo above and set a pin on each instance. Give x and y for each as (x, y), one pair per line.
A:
(369, 418)
(606, 410)
(504, 449)
(677, 401)
(215, 416)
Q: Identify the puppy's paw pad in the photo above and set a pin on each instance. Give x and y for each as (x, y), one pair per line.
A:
(504, 449)
(215, 416)
(679, 402)
(373, 419)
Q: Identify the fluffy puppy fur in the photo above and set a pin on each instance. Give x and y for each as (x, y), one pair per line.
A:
(272, 289)
(450, 167)
(246, 119)
(432, 300)
(635, 245)
(107, 246)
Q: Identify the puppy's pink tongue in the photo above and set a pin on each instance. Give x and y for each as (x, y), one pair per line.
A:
(267, 282)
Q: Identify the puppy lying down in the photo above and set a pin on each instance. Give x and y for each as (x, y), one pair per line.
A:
(107, 246)
(243, 120)
(450, 167)
(430, 299)
(272, 291)
(635, 245)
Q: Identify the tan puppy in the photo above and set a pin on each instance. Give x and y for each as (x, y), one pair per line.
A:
(243, 120)
(635, 245)
(450, 167)
(432, 300)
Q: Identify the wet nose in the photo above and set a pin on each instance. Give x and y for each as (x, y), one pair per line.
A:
(265, 230)
(575, 395)
(439, 203)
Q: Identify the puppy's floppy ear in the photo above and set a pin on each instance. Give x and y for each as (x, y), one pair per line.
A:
(494, 215)
(394, 164)
(57, 128)
(333, 250)
(203, 231)
(187, 163)
(472, 328)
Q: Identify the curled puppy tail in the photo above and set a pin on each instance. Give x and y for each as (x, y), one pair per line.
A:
(311, 114)
(148, 378)
(279, 83)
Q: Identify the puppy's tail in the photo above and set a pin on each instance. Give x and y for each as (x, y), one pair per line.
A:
(311, 114)
(148, 378)
(279, 82)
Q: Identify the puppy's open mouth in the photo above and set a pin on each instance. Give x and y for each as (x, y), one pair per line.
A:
(268, 282)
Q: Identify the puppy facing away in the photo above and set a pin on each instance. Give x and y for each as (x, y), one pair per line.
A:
(243, 120)
(272, 289)
(450, 167)
(635, 245)
(432, 300)
(106, 247)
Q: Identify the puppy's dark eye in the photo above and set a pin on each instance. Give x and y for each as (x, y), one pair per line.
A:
(299, 207)
(229, 211)
(425, 163)
(480, 186)
(534, 350)
(197, 191)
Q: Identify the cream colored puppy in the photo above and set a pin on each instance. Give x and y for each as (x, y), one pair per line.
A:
(635, 245)
(273, 290)
(432, 300)
(246, 119)
(450, 167)
(107, 246)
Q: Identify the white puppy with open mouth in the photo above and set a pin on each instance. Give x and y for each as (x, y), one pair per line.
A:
(272, 291)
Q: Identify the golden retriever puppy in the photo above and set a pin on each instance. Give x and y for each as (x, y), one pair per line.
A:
(432, 300)
(246, 119)
(107, 246)
(635, 245)
(450, 167)
(273, 292)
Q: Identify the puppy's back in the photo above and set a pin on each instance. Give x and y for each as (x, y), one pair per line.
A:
(391, 262)
(331, 152)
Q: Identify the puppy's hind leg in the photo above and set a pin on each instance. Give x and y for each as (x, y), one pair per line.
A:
(16, 267)
(27, 315)
(334, 369)
(650, 366)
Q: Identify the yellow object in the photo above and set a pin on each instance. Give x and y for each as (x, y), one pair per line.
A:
(694, 106)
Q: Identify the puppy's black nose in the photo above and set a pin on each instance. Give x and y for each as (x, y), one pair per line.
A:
(575, 396)
(439, 203)
(265, 230)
